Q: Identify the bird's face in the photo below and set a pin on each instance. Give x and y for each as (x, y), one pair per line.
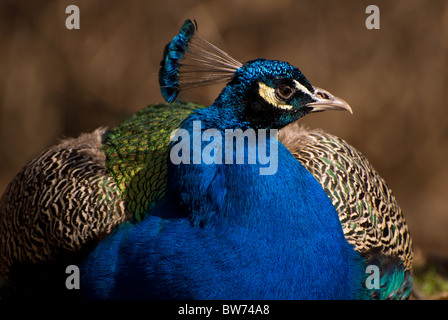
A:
(276, 93)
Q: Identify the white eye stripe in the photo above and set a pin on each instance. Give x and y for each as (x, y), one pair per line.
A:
(268, 94)
(302, 88)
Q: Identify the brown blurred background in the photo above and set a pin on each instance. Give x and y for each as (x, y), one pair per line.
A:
(56, 82)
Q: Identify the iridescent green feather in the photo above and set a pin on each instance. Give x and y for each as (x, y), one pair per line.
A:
(136, 154)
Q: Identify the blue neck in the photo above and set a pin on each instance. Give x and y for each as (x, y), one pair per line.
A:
(227, 232)
(286, 219)
(225, 113)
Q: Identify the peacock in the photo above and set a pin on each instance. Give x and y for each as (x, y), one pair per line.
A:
(231, 201)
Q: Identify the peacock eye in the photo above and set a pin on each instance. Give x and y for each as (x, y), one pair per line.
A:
(284, 92)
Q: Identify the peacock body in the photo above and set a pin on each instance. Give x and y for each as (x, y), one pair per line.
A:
(141, 226)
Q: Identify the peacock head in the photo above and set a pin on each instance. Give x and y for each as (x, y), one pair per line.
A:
(261, 93)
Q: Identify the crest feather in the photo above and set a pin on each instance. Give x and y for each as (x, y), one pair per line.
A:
(191, 61)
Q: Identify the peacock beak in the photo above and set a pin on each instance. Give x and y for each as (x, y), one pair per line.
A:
(326, 101)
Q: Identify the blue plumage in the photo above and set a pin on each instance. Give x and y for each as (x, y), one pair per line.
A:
(224, 230)
(237, 203)
(279, 237)
(174, 52)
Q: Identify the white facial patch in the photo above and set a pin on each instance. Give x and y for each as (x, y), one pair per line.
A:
(302, 88)
(268, 94)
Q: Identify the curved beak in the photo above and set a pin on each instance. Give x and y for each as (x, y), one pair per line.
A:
(326, 101)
